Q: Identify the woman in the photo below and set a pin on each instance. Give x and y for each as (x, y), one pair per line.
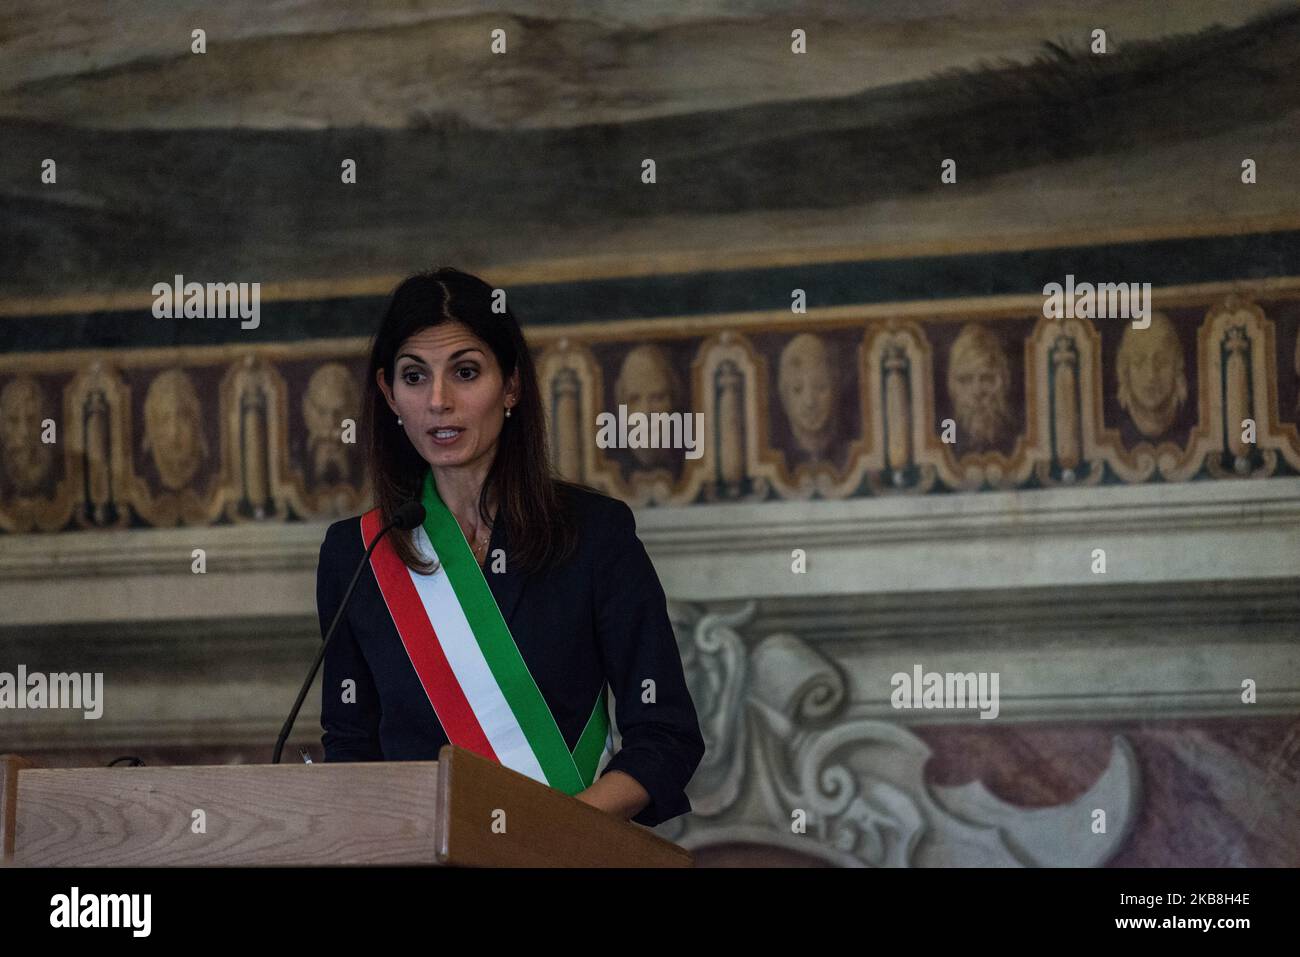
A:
(498, 624)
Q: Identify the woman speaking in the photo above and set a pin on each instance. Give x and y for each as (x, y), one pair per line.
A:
(498, 624)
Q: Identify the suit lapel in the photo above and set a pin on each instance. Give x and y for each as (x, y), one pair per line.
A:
(506, 586)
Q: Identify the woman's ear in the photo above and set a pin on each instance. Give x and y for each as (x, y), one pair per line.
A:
(512, 388)
(388, 393)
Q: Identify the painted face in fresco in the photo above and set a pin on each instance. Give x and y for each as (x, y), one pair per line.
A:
(805, 383)
(645, 384)
(171, 422)
(331, 397)
(1152, 370)
(1151, 375)
(26, 457)
(978, 386)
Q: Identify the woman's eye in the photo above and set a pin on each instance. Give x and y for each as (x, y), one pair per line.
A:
(469, 369)
(411, 376)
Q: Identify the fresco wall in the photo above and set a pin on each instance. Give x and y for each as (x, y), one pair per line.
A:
(818, 409)
(827, 229)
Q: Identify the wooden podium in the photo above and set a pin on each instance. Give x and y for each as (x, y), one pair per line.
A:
(396, 812)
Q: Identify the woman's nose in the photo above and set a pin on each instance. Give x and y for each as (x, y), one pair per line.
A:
(438, 393)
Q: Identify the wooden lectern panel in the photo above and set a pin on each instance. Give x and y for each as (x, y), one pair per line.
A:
(286, 814)
(461, 810)
(543, 827)
(10, 765)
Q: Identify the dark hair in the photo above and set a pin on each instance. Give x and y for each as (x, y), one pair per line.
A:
(536, 516)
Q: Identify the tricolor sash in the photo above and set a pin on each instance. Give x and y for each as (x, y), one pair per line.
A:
(477, 682)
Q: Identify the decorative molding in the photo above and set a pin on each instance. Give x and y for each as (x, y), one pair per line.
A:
(1243, 531)
(915, 401)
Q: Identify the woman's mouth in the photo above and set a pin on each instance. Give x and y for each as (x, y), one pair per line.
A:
(444, 436)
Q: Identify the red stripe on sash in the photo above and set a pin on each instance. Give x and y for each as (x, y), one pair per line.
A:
(422, 645)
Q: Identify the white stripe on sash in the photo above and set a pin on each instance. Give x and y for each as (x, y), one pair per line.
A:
(470, 667)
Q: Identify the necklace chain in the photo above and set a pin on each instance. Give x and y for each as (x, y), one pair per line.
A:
(482, 540)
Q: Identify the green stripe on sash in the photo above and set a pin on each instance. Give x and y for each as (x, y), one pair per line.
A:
(564, 771)
(591, 745)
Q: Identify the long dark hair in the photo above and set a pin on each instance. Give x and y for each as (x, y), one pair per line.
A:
(537, 520)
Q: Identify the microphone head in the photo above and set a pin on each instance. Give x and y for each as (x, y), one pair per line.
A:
(409, 516)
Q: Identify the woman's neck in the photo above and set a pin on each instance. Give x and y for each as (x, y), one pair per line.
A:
(460, 489)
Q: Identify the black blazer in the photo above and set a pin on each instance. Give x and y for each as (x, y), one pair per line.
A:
(600, 617)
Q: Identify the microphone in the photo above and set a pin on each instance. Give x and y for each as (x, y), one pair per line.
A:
(407, 517)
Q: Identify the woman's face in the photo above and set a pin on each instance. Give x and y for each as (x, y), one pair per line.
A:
(445, 377)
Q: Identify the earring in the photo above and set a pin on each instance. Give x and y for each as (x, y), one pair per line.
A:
(507, 412)
(399, 420)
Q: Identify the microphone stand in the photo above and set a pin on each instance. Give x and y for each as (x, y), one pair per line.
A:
(320, 655)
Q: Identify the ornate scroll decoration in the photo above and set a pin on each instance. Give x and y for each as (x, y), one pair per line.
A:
(96, 411)
(781, 746)
(901, 448)
(254, 413)
(1239, 348)
(1063, 365)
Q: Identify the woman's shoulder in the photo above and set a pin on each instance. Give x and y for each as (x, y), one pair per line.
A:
(603, 522)
(591, 505)
(342, 540)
